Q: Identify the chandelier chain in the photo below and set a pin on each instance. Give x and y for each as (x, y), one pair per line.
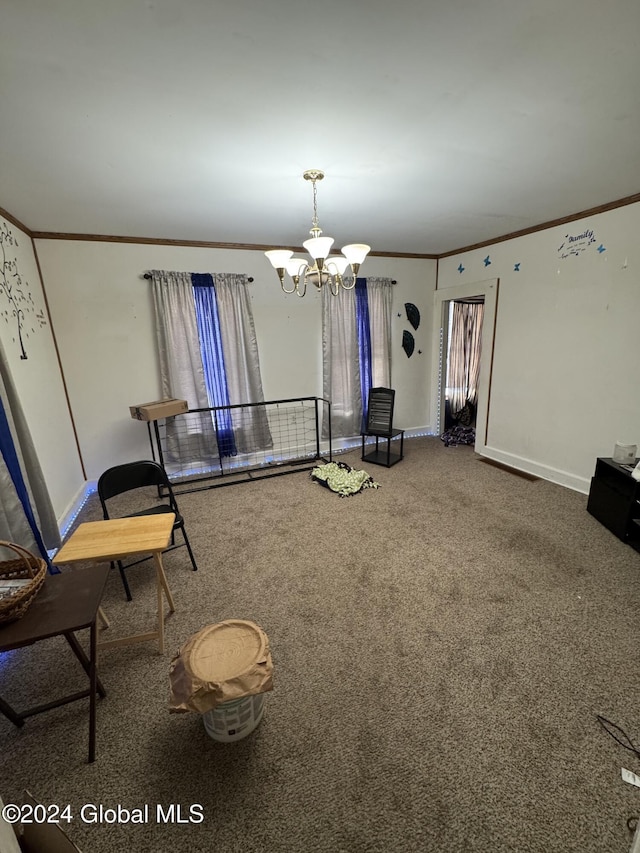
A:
(315, 225)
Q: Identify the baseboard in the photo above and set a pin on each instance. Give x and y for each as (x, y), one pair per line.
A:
(419, 432)
(343, 445)
(340, 445)
(73, 510)
(545, 472)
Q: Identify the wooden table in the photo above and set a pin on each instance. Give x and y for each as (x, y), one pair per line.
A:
(67, 602)
(116, 539)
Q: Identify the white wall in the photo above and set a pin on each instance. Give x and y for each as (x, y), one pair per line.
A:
(37, 378)
(564, 386)
(102, 313)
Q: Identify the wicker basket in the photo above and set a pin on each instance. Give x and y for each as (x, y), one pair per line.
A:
(25, 566)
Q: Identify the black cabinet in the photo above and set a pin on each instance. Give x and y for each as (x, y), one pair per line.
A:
(614, 499)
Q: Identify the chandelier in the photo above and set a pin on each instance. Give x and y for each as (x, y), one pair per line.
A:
(324, 268)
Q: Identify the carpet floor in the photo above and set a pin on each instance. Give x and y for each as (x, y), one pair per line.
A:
(442, 647)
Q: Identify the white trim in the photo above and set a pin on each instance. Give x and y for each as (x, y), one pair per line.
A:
(73, 510)
(419, 432)
(554, 475)
(343, 445)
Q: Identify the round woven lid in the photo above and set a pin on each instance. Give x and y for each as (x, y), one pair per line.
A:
(226, 650)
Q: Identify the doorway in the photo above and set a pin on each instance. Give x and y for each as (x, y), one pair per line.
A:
(462, 369)
(485, 292)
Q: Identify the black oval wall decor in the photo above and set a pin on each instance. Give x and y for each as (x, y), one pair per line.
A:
(413, 315)
(408, 343)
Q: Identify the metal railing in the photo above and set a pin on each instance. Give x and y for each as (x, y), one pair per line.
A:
(219, 446)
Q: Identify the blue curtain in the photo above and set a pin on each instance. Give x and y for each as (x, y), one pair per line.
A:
(215, 376)
(11, 460)
(364, 344)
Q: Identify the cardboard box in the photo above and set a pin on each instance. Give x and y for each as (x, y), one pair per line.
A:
(158, 409)
(8, 834)
(32, 837)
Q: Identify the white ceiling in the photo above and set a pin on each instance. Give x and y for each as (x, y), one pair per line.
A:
(438, 123)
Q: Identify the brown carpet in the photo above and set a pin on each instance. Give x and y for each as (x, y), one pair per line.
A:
(442, 646)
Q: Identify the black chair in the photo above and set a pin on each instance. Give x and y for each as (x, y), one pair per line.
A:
(139, 475)
(379, 423)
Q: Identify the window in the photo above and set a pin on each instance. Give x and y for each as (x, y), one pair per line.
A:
(356, 343)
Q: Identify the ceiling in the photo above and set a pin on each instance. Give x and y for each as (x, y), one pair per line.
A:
(438, 123)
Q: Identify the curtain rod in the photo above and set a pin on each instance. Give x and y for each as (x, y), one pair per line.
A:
(147, 275)
(250, 279)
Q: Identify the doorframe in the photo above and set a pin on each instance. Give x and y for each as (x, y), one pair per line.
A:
(441, 299)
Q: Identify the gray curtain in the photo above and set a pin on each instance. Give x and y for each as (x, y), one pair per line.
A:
(340, 363)
(380, 298)
(340, 354)
(14, 525)
(242, 362)
(190, 438)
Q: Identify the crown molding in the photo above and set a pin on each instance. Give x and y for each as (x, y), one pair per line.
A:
(203, 244)
(552, 223)
(255, 247)
(12, 219)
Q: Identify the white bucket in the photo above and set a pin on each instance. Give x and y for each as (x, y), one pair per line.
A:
(625, 454)
(234, 720)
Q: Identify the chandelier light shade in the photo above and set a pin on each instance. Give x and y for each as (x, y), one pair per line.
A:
(323, 268)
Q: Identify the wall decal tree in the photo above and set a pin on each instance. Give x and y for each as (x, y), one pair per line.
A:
(16, 291)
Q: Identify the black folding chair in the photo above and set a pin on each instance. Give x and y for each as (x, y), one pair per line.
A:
(379, 423)
(140, 475)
